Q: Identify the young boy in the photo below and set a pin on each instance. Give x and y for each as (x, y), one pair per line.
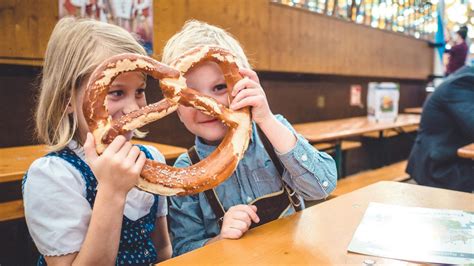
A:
(263, 185)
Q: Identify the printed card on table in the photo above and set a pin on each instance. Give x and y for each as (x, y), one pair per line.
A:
(416, 234)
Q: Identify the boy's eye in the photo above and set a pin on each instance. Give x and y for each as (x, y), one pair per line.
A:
(220, 87)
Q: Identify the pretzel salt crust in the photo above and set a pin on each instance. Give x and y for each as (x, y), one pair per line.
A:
(156, 177)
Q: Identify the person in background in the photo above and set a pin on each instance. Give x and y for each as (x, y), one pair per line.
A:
(447, 124)
(458, 51)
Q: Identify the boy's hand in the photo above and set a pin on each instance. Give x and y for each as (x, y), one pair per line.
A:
(237, 221)
(249, 92)
(119, 167)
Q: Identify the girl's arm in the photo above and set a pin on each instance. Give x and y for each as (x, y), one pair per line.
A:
(117, 171)
(161, 239)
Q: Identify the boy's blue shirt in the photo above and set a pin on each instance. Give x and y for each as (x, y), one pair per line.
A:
(311, 173)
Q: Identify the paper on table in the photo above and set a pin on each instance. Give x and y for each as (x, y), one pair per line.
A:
(416, 234)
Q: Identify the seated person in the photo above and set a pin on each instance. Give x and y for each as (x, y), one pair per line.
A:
(447, 124)
(276, 162)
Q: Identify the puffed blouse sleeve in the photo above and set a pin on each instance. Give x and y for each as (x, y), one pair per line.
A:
(56, 209)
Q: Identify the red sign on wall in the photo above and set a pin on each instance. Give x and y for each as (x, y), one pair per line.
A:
(356, 95)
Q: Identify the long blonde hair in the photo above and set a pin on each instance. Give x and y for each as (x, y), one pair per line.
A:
(76, 47)
(195, 33)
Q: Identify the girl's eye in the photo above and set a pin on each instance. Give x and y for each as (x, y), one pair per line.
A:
(116, 93)
(140, 92)
(220, 87)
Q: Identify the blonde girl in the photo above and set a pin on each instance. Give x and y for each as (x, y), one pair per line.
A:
(90, 213)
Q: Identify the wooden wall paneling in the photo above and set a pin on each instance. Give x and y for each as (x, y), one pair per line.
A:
(281, 20)
(26, 27)
(245, 19)
(276, 37)
(408, 62)
(312, 43)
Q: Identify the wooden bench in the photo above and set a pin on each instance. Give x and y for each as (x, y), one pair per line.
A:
(391, 132)
(345, 146)
(414, 110)
(393, 172)
(330, 148)
(11, 210)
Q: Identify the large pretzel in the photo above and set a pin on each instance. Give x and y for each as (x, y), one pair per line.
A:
(156, 177)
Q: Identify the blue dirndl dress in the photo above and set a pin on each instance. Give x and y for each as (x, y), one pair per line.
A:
(136, 246)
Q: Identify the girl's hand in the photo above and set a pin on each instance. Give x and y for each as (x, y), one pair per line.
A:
(249, 92)
(119, 167)
(237, 221)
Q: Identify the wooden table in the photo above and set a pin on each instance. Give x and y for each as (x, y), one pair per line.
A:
(414, 110)
(336, 130)
(467, 151)
(15, 161)
(321, 234)
(349, 127)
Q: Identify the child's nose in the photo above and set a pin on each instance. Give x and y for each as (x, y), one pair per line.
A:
(131, 106)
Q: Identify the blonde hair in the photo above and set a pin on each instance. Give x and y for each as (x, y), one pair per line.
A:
(195, 33)
(76, 47)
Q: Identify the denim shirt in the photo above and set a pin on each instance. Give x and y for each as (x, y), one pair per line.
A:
(311, 173)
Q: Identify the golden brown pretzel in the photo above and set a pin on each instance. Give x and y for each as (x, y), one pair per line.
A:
(156, 177)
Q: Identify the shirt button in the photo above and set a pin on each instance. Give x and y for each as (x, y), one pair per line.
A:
(249, 199)
(325, 184)
(369, 262)
(304, 158)
(143, 231)
(146, 252)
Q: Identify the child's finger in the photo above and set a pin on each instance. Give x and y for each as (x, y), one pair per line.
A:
(239, 225)
(243, 84)
(133, 154)
(137, 168)
(89, 148)
(124, 150)
(232, 233)
(243, 216)
(116, 145)
(251, 211)
(244, 94)
(249, 73)
(240, 85)
(249, 101)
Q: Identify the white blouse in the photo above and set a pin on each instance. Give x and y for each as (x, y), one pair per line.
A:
(56, 209)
